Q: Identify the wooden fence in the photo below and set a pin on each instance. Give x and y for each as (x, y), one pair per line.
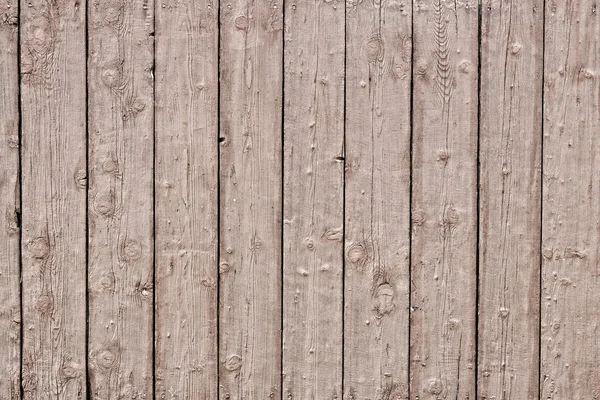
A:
(369, 199)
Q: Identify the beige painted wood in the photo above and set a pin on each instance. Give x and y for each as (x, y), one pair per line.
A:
(510, 198)
(186, 199)
(313, 200)
(571, 202)
(378, 40)
(10, 292)
(250, 202)
(444, 215)
(120, 201)
(54, 192)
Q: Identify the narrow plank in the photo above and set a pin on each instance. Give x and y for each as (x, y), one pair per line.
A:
(444, 199)
(53, 196)
(10, 292)
(571, 202)
(120, 200)
(377, 239)
(510, 200)
(313, 199)
(250, 194)
(186, 198)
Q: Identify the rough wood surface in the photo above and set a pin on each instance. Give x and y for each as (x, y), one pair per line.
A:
(273, 167)
(510, 201)
(120, 201)
(571, 202)
(54, 191)
(10, 292)
(444, 215)
(186, 199)
(251, 203)
(313, 200)
(378, 42)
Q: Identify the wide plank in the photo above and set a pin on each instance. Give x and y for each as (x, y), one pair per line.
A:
(54, 181)
(313, 199)
(120, 200)
(10, 269)
(377, 186)
(186, 199)
(250, 199)
(444, 204)
(510, 198)
(570, 320)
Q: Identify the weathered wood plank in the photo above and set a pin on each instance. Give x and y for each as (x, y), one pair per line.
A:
(120, 201)
(54, 192)
(377, 239)
(444, 199)
(313, 199)
(250, 221)
(510, 201)
(186, 198)
(10, 292)
(571, 202)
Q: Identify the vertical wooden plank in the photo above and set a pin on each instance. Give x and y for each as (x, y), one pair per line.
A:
(10, 302)
(444, 199)
(510, 157)
(250, 221)
(571, 202)
(54, 192)
(120, 201)
(186, 198)
(377, 239)
(313, 199)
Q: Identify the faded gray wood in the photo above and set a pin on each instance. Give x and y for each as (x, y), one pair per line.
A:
(10, 291)
(120, 201)
(186, 199)
(444, 215)
(378, 36)
(510, 198)
(571, 202)
(251, 203)
(54, 191)
(313, 200)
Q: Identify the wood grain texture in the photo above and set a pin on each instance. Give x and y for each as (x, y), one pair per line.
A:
(251, 203)
(510, 198)
(10, 291)
(444, 213)
(186, 199)
(313, 200)
(378, 40)
(571, 202)
(54, 192)
(120, 200)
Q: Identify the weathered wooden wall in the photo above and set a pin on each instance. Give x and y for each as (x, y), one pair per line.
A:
(369, 199)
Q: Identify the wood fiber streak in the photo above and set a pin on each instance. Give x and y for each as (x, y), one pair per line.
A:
(251, 204)
(378, 45)
(571, 202)
(186, 199)
(444, 199)
(120, 200)
(313, 200)
(510, 156)
(54, 191)
(10, 302)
